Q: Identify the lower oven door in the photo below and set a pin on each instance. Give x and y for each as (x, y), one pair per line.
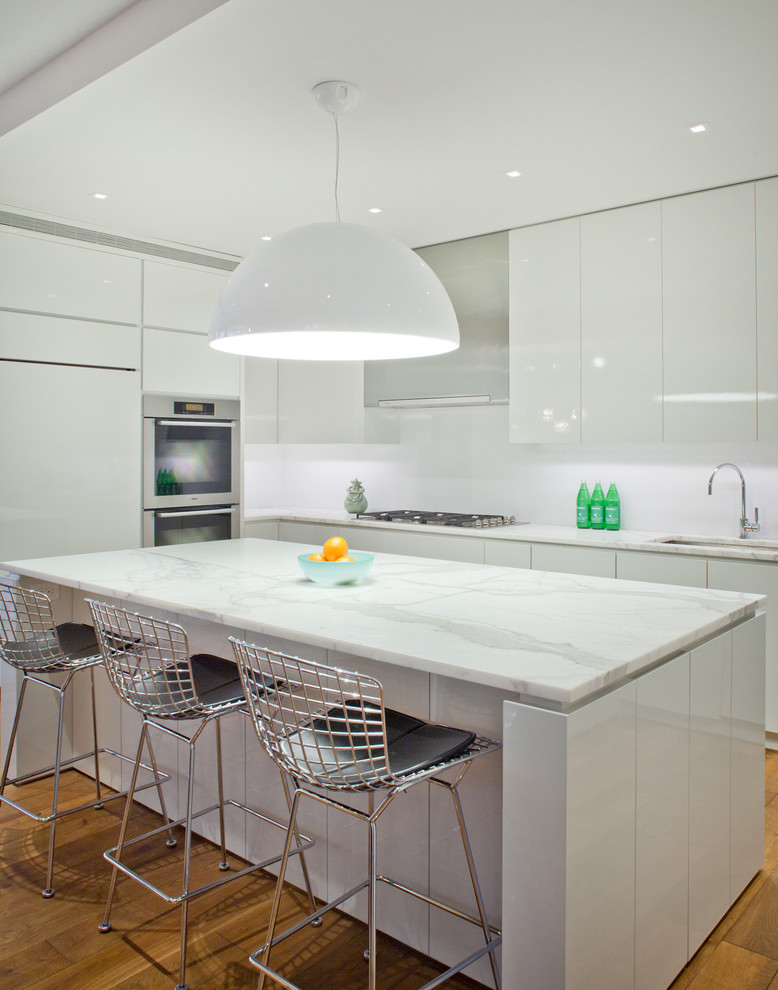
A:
(170, 527)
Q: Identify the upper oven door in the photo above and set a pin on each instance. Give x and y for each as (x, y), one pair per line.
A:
(190, 462)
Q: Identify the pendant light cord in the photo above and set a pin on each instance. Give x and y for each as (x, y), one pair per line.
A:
(337, 167)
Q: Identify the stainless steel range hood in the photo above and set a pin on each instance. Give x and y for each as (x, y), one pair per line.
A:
(475, 274)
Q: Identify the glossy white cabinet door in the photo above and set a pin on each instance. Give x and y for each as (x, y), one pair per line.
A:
(259, 400)
(708, 270)
(761, 579)
(70, 481)
(747, 798)
(662, 825)
(29, 337)
(621, 324)
(54, 276)
(709, 787)
(545, 333)
(180, 297)
(435, 545)
(767, 308)
(185, 364)
(321, 402)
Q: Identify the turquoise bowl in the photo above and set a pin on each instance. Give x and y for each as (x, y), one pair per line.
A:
(332, 572)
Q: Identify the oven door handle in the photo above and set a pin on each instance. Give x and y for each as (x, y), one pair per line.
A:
(227, 424)
(195, 512)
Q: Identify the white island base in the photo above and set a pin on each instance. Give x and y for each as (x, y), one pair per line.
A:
(626, 814)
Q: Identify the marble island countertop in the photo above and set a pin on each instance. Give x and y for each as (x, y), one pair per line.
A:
(554, 637)
(752, 548)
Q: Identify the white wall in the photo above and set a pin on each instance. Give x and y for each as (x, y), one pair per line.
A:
(459, 459)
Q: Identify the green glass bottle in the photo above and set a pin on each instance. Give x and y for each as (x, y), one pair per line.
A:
(160, 482)
(612, 508)
(582, 507)
(597, 508)
(165, 481)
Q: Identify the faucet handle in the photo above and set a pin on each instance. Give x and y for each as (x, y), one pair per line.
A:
(754, 526)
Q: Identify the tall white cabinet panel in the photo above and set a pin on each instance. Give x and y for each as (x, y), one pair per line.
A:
(321, 402)
(545, 333)
(767, 308)
(260, 400)
(709, 315)
(662, 825)
(747, 753)
(621, 324)
(186, 364)
(29, 337)
(179, 297)
(709, 787)
(761, 579)
(53, 276)
(71, 460)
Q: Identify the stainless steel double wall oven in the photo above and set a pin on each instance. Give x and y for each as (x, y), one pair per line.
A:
(191, 470)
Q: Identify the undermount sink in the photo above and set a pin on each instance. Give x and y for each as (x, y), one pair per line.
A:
(723, 542)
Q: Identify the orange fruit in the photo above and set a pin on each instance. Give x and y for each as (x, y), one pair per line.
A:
(317, 556)
(334, 548)
(345, 558)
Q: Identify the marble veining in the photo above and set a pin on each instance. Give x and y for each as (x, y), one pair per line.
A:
(557, 637)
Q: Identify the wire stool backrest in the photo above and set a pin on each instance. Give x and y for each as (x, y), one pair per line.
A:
(28, 634)
(320, 724)
(147, 660)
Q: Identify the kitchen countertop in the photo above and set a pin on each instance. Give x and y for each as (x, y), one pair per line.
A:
(555, 637)
(623, 539)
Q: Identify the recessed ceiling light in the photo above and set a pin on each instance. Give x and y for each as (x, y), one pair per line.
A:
(266, 238)
(98, 195)
(375, 209)
(699, 128)
(513, 174)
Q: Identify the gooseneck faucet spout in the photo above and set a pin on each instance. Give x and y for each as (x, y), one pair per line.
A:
(745, 526)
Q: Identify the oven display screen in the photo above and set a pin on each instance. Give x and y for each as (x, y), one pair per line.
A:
(193, 408)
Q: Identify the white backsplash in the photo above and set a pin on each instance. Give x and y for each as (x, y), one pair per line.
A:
(459, 460)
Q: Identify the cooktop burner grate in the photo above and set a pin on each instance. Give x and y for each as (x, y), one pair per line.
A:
(416, 517)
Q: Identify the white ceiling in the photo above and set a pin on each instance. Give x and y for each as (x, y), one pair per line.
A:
(211, 137)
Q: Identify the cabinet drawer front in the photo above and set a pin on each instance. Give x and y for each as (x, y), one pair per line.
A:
(573, 560)
(691, 572)
(507, 554)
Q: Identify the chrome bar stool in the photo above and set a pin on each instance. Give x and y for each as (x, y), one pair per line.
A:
(31, 642)
(328, 728)
(150, 666)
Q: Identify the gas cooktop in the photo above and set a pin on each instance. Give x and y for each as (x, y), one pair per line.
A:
(441, 518)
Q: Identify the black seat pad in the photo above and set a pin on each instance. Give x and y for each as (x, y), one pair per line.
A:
(169, 690)
(413, 745)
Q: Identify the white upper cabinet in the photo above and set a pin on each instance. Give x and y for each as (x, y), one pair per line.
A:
(53, 276)
(178, 297)
(709, 315)
(621, 324)
(545, 333)
(58, 340)
(767, 308)
(184, 363)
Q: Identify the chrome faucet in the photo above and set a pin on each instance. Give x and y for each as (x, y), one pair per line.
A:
(746, 527)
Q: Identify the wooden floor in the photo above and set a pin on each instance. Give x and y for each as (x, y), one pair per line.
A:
(55, 943)
(48, 943)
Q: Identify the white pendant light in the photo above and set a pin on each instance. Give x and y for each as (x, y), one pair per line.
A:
(334, 291)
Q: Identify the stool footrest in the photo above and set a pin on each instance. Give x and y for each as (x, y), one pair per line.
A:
(44, 772)
(185, 895)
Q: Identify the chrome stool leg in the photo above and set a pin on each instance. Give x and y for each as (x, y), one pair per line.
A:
(98, 794)
(48, 890)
